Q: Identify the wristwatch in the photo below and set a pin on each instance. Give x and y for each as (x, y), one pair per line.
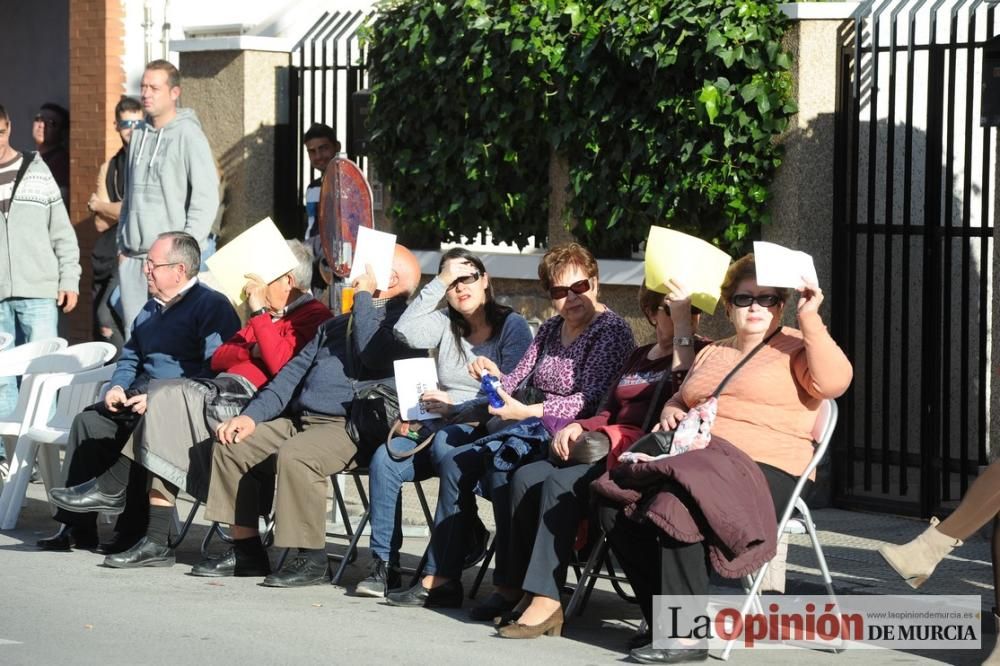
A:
(684, 341)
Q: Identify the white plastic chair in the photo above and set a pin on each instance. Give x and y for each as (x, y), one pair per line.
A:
(826, 422)
(75, 369)
(6, 340)
(15, 362)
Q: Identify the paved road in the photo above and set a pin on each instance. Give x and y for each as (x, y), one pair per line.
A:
(65, 608)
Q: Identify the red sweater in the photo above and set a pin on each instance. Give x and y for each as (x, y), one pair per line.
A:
(278, 342)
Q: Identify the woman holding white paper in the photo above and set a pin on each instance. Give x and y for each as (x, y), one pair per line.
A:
(766, 413)
(472, 324)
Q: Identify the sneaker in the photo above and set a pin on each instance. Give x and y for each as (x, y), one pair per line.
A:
(381, 578)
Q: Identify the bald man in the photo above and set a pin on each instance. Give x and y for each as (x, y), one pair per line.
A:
(292, 433)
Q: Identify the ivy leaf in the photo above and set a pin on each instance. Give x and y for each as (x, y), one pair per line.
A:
(709, 97)
(714, 41)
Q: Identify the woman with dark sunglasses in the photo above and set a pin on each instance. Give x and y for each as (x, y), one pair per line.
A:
(766, 411)
(568, 367)
(472, 324)
(549, 498)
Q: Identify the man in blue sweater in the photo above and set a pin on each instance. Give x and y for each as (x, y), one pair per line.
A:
(294, 429)
(174, 335)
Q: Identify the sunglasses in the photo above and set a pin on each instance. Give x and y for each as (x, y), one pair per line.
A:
(49, 122)
(130, 124)
(465, 279)
(763, 300)
(579, 287)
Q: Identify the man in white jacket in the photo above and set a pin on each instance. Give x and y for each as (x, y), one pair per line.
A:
(39, 255)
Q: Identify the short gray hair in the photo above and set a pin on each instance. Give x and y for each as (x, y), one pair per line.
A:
(184, 250)
(303, 272)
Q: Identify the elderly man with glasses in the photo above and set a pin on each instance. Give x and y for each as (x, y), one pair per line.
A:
(174, 335)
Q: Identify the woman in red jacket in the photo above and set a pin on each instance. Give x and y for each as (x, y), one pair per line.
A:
(175, 436)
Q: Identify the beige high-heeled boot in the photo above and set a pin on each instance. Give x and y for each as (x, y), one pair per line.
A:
(915, 561)
(994, 657)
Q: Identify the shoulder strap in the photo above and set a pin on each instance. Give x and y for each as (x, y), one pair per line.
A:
(743, 361)
(652, 412)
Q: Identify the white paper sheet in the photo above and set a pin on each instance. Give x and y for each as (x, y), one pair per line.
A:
(261, 249)
(375, 248)
(413, 377)
(779, 266)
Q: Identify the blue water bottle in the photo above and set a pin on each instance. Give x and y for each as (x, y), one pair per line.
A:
(490, 384)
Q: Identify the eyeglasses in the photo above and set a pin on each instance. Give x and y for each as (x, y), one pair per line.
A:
(150, 266)
(130, 124)
(465, 279)
(578, 287)
(764, 300)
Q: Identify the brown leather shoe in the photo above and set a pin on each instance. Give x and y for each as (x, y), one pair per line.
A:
(550, 627)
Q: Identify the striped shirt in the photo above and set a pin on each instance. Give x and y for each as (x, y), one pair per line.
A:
(8, 173)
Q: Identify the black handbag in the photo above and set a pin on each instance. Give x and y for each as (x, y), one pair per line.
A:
(374, 410)
(373, 413)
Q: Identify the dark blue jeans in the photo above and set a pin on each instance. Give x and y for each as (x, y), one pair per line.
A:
(461, 470)
(386, 477)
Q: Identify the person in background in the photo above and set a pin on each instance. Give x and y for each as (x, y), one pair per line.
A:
(106, 204)
(50, 130)
(171, 183)
(321, 147)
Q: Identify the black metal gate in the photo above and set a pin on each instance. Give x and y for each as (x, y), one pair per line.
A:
(913, 226)
(328, 66)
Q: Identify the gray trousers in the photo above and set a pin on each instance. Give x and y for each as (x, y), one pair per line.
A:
(134, 290)
(301, 453)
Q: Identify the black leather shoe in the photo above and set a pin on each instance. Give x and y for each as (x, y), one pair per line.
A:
(119, 544)
(650, 655)
(234, 564)
(299, 572)
(381, 578)
(493, 606)
(80, 538)
(448, 595)
(87, 497)
(146, 553)
(640, 639)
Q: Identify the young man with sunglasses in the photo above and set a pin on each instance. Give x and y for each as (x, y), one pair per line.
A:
(172, 182)
(39, 255)
(106, 204)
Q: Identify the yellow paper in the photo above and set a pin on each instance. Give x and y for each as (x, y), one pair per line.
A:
(699, 265)
(261, 249)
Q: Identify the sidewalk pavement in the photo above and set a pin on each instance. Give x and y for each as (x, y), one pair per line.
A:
(64, 607)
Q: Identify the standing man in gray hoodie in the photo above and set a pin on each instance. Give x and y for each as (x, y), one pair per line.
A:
(171, 182)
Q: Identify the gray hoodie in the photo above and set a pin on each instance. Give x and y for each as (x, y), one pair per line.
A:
(39, 255)
(171, 184)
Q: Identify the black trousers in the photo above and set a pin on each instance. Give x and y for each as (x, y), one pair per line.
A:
(657, 564)
(547, 505)
(99, 442)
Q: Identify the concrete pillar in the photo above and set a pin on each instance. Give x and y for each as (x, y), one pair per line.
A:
(240, 96)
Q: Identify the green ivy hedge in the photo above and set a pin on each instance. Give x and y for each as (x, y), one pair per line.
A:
(664, 112)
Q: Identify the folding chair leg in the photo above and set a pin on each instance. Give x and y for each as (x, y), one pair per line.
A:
(182, 532)
(212, 531)
(482, 569)
(428, 517)
(352, 548)
(342, 507)
(576, 602)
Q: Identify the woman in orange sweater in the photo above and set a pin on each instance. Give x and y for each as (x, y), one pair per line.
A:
(767, 411)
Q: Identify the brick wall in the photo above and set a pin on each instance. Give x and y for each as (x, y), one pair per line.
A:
(96, 81)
